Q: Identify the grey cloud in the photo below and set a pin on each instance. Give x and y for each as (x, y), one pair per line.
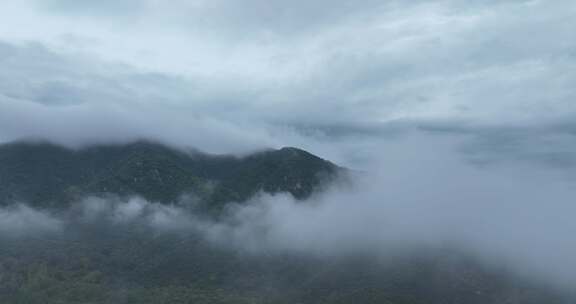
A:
(546, 148)
(35, 73)
(101, 7)
(548, 144)
(347, 67)
(75, 101)
(286, 18)
(260, 18)
(252, 18)
(480, 61)
(86, 124)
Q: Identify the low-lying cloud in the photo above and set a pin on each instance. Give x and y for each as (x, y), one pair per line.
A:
(20, 220)
(427, 198)
(504, 214)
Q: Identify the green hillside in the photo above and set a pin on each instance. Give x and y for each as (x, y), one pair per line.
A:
(45, 175)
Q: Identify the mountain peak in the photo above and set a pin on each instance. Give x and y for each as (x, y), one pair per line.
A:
(292, 150)
(295, 152)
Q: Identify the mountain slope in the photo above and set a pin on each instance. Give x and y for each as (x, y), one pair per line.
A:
(43, 174)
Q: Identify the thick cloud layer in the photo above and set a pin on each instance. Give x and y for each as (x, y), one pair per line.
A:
(205, 73)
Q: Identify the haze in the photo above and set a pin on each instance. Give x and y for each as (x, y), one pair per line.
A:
(457, 114)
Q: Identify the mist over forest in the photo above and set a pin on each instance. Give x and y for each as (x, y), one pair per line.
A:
(287, 152)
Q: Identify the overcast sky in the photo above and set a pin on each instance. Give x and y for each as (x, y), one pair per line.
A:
(233, 76)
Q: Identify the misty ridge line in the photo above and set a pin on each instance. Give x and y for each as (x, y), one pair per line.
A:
(149, 164)
(426, 201)
(50, 175)
(401, 209)
(408, 196)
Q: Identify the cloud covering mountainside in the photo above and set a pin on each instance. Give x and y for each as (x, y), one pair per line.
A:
(457, 118)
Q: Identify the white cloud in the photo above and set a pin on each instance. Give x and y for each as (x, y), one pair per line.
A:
(19, 220)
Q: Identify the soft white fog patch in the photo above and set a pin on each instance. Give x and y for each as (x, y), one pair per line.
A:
(20, 220)
(425, 199)
(83, 125)
(116, 211)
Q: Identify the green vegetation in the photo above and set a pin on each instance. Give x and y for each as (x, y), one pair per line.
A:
(46, 175)
(93, 263)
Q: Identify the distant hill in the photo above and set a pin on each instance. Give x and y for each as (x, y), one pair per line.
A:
(44, 175)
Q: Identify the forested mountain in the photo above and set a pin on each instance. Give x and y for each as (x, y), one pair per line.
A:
(43, 174)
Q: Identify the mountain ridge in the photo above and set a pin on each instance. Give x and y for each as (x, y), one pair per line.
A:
(45, 174)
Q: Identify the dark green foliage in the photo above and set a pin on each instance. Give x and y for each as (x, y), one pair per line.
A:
(288, 170)
(123, 265)
(44, 175)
